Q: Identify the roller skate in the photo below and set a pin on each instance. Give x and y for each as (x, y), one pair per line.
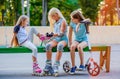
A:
(36, 70)
(48, 70)
(49, 34)
(56, 68)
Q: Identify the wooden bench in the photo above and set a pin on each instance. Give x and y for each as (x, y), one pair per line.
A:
(105, 52)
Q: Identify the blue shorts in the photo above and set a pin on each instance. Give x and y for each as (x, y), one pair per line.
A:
(81, 40)
(63, 38)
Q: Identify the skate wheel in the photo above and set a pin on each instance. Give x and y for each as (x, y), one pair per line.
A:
(33, 74)
(93, 71)
(66, 66)
(44, 73)
(56, 74)
(36, 74)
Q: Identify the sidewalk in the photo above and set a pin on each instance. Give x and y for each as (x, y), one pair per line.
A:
(19, 66)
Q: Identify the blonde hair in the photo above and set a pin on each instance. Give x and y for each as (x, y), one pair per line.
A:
(52, 12)
(77, 14)
(21, 19)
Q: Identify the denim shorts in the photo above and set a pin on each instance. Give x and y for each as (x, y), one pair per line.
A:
(63, 38)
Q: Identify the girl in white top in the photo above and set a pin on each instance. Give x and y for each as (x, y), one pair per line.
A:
(25, 39)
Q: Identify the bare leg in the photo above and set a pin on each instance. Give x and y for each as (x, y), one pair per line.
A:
(49, 53)
(72, 52)
(80, 50)
(59, 52)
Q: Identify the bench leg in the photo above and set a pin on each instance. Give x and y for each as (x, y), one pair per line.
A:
(108, 51)
(101, 59)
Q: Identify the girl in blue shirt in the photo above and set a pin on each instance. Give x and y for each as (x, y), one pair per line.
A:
(80, 40)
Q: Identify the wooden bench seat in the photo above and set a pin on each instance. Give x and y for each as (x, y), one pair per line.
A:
(105, 52)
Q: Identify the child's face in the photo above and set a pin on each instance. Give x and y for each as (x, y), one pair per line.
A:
(74, 20)
(55, 16)
(25, 22)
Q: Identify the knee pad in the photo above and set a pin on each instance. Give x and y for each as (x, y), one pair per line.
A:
(60, 47)
(33, 30)
(48, 47)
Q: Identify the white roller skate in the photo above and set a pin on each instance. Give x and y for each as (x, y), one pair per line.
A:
(56, 68)
(36, 70)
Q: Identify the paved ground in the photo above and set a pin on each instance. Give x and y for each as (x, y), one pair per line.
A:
(19, 66)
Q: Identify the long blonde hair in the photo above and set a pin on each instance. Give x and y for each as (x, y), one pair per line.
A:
(21, 19)
(52, 12)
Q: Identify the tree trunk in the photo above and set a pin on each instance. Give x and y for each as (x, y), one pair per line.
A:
(22, 2)
(44, 12)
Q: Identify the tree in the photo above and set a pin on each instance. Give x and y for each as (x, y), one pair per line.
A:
(90, 8)
(44, 12)
(35, 12)
(109, 11)
(65, 6)
(11, 11)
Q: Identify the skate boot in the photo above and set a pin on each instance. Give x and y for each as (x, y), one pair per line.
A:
(56, 68)
(51, 71)
(48, 70)
(36, 70)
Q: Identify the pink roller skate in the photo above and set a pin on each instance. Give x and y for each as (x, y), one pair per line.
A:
(42, 37)
(36, 70)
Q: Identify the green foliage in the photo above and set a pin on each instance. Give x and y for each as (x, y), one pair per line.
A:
(11, 12)
(90, 8)
(65, 6)
(35, 12)
(1, 2)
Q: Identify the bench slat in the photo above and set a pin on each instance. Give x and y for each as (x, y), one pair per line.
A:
(42, 49)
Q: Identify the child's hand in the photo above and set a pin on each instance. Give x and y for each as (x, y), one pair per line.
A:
(55, 35)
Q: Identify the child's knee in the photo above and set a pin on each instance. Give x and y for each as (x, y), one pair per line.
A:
(79, 47)
(34, 49)
(60, 47)
(32, 29)
(48, 47)
(72, 47)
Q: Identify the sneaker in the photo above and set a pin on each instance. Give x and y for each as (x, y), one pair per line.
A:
(72, 71)
(82, 67)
